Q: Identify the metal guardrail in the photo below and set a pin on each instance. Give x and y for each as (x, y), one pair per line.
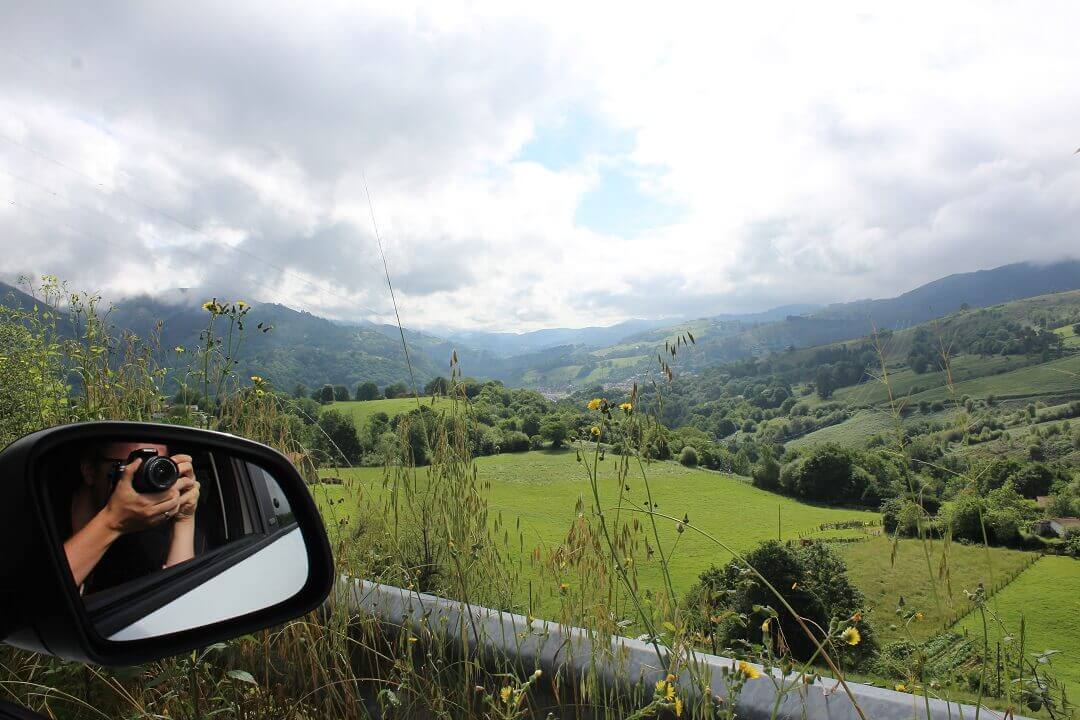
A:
(622, 664)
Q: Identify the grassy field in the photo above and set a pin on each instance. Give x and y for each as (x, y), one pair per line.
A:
(905, 381)
(884, 582)
(543, 487)
(1057, 377)
(1047, 596)
(1072, 340)
(853, 432)
(361, 410)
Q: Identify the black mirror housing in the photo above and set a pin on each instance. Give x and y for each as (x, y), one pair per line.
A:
(40, 605)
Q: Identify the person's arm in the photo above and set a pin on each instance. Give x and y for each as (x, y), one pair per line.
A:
(182, 546)
(127, 511)
(85, 548)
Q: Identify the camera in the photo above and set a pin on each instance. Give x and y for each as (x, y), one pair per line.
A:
(156, 473)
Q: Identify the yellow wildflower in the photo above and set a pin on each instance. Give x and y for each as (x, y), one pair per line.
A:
(670, 678)
(563, 587)
(626, 407)
(749, 670)
(595, 431)
(670, 692)
(919, 616)
(505, 694)
(765, 625)
(212, 307)
(594, 404)
(240, 304)
(256, 379)
(660, 685)
(851, 636)
(178, 350)
(678, 707)
(901, 687)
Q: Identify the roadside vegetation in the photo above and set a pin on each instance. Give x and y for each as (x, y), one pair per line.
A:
(678, 510)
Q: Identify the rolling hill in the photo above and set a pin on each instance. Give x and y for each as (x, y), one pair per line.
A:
(305, 348)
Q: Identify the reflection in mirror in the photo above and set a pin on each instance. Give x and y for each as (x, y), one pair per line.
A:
(161, 538)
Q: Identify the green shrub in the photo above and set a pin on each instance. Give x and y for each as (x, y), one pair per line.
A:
(812, 579)
(766, 474)
(688, 456)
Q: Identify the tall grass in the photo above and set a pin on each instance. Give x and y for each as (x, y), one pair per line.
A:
(427, 529)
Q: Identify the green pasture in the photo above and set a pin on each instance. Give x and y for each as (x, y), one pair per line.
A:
(906, 382)
(1047, 596)
(1072, 340)
(361, 410)
(885, 581)
(542, 488)
(1054, 378)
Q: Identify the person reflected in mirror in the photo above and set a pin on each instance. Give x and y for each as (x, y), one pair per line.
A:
(117, 533)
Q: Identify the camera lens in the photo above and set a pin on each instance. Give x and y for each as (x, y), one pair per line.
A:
(155, 474)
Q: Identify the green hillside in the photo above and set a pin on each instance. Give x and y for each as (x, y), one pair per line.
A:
(543, 489)
(1047, 597)
(361, 410)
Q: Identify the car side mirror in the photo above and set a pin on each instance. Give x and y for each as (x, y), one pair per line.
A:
(121, 542)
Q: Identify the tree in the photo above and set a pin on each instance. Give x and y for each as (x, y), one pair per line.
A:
(338, 442)
(824, 382)
(367, 391)
(813, 580)
(554, 430)
(766, 474)
(396, 390)
(437, 386)
(341, 393)
(308, 410)
(724, 427)
(826, 474)
(300, 390)
(378, 424)
(530, 424)
(324, 395)
(1033, 480)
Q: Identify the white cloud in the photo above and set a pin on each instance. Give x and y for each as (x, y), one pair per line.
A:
(812, 153)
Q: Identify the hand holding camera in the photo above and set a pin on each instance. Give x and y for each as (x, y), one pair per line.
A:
(151, 489)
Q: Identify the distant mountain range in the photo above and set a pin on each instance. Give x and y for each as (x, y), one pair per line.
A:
(305, 348)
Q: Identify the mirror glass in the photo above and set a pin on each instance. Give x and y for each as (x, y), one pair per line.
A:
(162, 538)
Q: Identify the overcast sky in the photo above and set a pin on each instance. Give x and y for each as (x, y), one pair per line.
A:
(535, 166)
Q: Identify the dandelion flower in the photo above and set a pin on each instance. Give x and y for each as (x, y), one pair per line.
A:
(595, 431)
(660, 685)
(749, 670)
(179, 350)
(669, 693)
(851, 636)
(901, 687)
(256, 379)
(678, 707)
(594, 404)
(505, 694)
(626, 407)
(919, 616)
(240, 304)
